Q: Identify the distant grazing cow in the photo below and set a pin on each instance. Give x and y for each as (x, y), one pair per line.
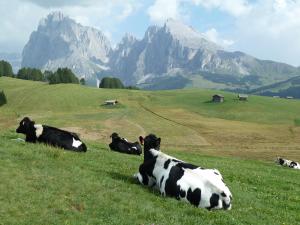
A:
(122, 145)
(288, 163)
(50, 135)
(201, 187)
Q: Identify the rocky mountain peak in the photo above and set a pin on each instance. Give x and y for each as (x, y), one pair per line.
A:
(128, 39)
(188, 36)
(54, 17)
(61, 42)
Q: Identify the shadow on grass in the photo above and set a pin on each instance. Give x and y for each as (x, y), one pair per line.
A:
(132, 180)
(122, 177)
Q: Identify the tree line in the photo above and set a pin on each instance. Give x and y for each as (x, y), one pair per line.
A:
(114, 83)
(61, 75)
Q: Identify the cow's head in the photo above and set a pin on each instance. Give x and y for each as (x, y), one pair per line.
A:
(280, 160)
(150, 142)
(26, 126)
(114, 135)
(293, 164)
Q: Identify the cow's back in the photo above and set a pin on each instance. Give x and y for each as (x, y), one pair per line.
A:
(201, 187)
(60, 138)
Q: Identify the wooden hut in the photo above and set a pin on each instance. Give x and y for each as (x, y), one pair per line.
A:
(217, 98)
(110, 102)
(242, 97)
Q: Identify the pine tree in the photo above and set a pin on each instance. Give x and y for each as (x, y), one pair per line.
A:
(2, 98)
(6, 69)
(111, 82)
(63, 75)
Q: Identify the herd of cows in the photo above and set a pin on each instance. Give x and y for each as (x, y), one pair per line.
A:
(204, 188)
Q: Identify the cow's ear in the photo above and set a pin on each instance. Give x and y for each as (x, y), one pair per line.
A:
(158, 141)
(141, 140)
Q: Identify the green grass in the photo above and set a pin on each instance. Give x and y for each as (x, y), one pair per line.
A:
(44, 185)
(25, 97)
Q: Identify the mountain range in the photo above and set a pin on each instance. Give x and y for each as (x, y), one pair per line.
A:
(170, 56)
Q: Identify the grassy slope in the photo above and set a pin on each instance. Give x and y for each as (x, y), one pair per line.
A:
(42, 185)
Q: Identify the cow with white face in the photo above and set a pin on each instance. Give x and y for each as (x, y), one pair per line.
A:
(288, 163)
(204, 188)
(50, 135)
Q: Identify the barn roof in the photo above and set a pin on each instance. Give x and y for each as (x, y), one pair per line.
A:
(242, 96)
(218, 95)
(111, 101)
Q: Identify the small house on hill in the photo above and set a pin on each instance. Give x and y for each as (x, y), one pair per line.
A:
(217, 98)
(242, 97)
(289, 97)
(110, 102)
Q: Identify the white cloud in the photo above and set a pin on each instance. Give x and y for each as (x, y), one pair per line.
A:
(214, 36)
(17, 26)
(162, 10)
(271, 31)
(233, 7)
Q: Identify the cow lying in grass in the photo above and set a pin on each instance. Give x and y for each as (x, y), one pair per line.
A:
(122, 145)
(50, 135)
(288, 163)
(201, 187)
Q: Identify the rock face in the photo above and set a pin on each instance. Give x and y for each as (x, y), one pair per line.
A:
(178, 50)
(60, 41)
(172, 54)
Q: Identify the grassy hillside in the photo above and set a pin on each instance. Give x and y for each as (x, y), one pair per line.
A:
(43, 185)
(290, 87)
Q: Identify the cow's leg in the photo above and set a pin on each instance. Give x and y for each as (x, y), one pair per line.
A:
(144, 175)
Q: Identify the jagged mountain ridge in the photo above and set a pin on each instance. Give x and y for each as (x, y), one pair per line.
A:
(178, 50)
(173, 51)
(60, 41)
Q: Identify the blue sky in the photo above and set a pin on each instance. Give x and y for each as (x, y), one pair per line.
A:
(267, 29)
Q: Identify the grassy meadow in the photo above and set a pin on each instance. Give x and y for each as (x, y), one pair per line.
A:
(44, 185)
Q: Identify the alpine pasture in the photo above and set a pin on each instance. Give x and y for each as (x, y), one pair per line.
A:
(45, 185)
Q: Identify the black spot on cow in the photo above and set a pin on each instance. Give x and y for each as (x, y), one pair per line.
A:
(175, 160)
(182, 193)
(187, 166)
(223, 194)
(161, 180)
(166, 164)
(171, 187)
(225, 206)
(146, 169)
(281, 161)
(214, 201)
(194, 197)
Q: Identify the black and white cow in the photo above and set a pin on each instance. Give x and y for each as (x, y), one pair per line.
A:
(288, 163)
(50, 135)
(204, 188)
(122, 145)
